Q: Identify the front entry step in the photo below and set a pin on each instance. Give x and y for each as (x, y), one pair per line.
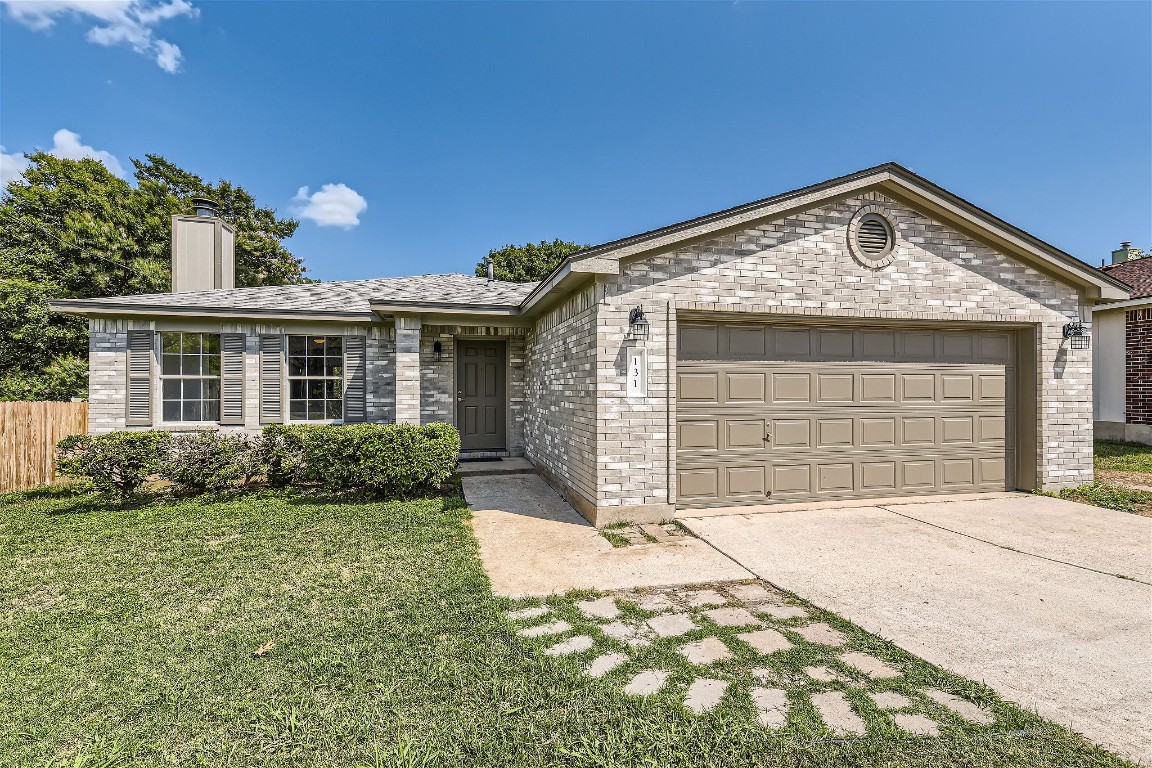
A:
(515, 465)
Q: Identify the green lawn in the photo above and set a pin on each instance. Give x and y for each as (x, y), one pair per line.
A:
(127, 638)
(1123, 478)
(1124, 457)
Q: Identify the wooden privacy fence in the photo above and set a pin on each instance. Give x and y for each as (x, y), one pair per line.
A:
(28, 436)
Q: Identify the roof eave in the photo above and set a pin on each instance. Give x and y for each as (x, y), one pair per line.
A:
(105, 309)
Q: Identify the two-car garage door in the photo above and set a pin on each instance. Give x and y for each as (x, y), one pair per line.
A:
(777, 412)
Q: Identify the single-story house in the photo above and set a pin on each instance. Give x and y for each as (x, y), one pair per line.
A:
(873, 335)
(1122, 370)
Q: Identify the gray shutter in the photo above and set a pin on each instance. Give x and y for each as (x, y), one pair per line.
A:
(139, 400)
(232, 378)
(271, 373)
(355, 401)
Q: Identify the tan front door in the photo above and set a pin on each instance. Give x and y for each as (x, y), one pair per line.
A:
(775, 412)
(480, 396)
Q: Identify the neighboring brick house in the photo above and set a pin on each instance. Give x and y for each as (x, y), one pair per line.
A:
(1122, 373)
(872, 335)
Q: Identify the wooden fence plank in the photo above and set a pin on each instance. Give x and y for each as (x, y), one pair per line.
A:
(28, 436)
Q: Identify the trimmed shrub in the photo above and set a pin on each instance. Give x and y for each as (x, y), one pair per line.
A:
(206, 460)
(280, 449)
(116, 462)
(389, 458)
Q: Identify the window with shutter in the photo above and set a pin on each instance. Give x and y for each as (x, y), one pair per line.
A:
(139, 397)
(232, 378)
(271, 376)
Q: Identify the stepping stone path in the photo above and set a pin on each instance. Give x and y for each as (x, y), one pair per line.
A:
(750, 593)
(732, 617)
(602, 665)
(554, 628)
(626, 633)
(647, 683)
(704, 694)
(962, 707)
(917, 724)
(821, 634)
(604, 608)
(703, 598)
(890, 700)
(837, 712)
(823, 674)
(783, 611)
(771, 706)
(657, 532)
(655, 603)
(765, 641)
(869, 665)
(671, 624)
(534, 612)
(707, 651)
(570, 646)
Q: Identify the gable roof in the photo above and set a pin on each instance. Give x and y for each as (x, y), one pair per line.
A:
(1136, 273)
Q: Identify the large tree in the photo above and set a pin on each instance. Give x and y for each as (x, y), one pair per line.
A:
(527, 263)
(72, 229)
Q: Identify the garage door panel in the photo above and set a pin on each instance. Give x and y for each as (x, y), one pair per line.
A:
(697, 435)
(878, 387)
(956, 429)
(791, 479)
(878, 476)
(834, 433)
(745, 433)
(957, 387)
(745, 388)
(834, 477)
(698, 388)
(835, 387)
(791, 387)
(835, 343)
(878, 432)
(747, 481)
(957, 472)
(792, 343)
(699, 483)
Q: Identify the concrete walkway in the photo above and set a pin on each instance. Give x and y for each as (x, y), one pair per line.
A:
(533, 543)
(1017, 592)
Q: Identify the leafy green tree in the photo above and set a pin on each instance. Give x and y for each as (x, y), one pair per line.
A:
(527, 263)
(72, 229)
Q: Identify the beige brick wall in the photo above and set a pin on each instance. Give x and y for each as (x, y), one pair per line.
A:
(801, 266)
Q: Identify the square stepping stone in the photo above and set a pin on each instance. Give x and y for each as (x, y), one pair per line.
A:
(626, 633)
(732, 617)
(602, 665)
(646, 683)
(540, 630)
(534, 612)
(782, 611)
(655, 603)
(890, 700)
(771, 706)
(837, 712)
(821, 633)
(765, 675)
(571, 645)
(703, 598)
(707, 651)
(961, 707)
(869, 665)
(656, 532)
(823, 674)
(671, 624)
(917, 724)
(704, 694)
(604, 608)
(765, 641)
(750, 593)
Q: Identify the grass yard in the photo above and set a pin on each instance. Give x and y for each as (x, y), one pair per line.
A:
(1123, 479)
(127, 637)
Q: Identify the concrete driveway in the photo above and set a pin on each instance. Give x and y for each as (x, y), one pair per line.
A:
(1019, 592)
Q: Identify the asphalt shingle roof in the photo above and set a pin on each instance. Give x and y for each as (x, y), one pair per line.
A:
(1137, 273)
(347, 296)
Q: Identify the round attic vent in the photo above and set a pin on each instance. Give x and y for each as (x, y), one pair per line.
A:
(871, 237)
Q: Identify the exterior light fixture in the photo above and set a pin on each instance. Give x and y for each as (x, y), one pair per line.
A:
(637, 325)
(1078, 335)
(437, 351)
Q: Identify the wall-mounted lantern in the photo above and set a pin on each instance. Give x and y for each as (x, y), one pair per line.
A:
(1077, 334)
(437, 351)
(637, 325)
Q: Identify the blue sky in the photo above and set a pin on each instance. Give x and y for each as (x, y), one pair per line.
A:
(466, 126)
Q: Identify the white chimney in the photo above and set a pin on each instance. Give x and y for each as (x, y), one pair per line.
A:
(1125, 253)
(203, 250)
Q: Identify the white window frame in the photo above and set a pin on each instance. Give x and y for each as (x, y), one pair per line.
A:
(163, 377)
(289, 378)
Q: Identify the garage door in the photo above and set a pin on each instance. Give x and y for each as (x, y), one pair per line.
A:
(773, 412)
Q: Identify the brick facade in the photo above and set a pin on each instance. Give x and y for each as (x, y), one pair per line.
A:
(1138, 366)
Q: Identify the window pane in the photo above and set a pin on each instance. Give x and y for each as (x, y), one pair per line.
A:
(212, 410)
(171, 410)
(191, 343)
(335, 345)
(170, 342)
(191, 389)
(297, 366)
(315, 366)
(211, 389)
(298, 390)
(211, 343)
(171, 389)
(296, 345)
(190, 365)
(332, 390)
(298, 409)
(333, 366)
(170, 365)
(316, 389)
(316, 345)
(333, 410)
(315, 409)
(191, 410)
(212, 365)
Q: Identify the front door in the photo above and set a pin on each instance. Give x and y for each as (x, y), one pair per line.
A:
(480, 399)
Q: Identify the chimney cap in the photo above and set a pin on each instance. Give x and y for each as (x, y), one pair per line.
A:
(206, 207)
(1125, 244)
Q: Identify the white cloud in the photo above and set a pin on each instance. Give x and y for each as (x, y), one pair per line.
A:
(11, 166)
(118, 22)
(65, 144)
(333, 205)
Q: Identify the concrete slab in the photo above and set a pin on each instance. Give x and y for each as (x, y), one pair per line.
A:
(781, 611)
(602, 665)
(647, 683)
(917, 724)
(671, 624)
(750, 593)
(962, 707)
(553, 628)
(704, 694)
(707, 651)
(732, 617)
(765, 641)
(604, 608)
(870, 665)
(821, 634)
(572, 645)
(823, 674)
(533, 543)
(771, 706)
(808, 506)
(510, 466)
(627, 633)
(1069, 643)
(531, 612)
(837, 713)
(890, 700)
(702, 598)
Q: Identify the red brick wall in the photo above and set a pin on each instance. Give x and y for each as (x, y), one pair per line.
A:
(1138, 368)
